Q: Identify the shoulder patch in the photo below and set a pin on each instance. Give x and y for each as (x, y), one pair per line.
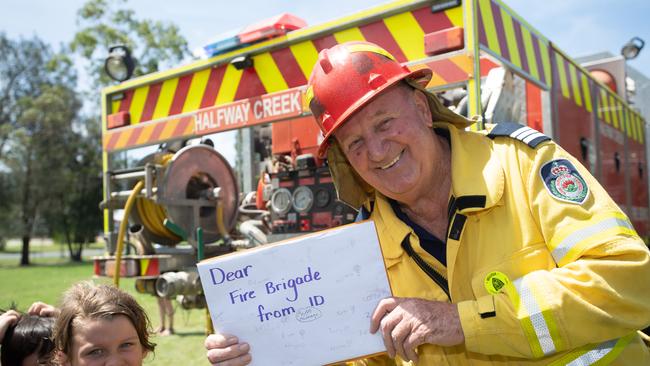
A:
(563, 181)
(525, 134)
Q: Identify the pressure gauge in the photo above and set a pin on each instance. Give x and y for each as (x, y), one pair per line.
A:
(303, 198)
(322, 198)
(281, 201)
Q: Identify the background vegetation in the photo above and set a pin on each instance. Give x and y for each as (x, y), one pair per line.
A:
(50, 160)
(50, 124)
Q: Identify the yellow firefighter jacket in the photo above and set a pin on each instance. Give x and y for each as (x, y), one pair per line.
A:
(544, 266)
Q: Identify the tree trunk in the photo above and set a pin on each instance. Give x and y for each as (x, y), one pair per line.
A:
(24, 257)
(75, 251)
(71, 240)
(77, 255)
(27, 214)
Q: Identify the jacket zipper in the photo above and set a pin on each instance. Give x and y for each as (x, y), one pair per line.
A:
(435, 276)
(439, 279)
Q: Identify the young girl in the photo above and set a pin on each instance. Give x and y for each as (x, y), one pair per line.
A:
(25, 338)
(101, 324)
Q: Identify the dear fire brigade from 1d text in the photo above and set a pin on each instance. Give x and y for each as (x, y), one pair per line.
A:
(239, 295)
(239, 113)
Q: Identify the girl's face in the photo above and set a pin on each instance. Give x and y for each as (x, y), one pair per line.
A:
(105, 342)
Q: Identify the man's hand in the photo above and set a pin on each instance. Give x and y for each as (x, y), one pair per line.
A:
(406, 323)
(225, 350)
(7, 319)
(43, 309)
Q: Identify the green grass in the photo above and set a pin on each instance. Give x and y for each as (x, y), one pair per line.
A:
(47, 278)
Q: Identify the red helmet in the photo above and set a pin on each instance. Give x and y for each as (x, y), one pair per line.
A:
(346, 77)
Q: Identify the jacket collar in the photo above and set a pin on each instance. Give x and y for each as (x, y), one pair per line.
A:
(477, 178)
(391, 229)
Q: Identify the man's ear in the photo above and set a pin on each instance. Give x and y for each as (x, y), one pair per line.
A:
(422, 106)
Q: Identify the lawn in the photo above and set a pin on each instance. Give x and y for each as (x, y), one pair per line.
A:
(47, 278)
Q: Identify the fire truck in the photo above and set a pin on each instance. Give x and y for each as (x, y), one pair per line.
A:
(183, 201)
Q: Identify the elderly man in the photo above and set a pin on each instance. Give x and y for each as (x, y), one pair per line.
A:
(500, 247)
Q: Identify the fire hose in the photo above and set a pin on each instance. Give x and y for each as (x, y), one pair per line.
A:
(120, 236)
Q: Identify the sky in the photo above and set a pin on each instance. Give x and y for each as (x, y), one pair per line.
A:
(578, 27)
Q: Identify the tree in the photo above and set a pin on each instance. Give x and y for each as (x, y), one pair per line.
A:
(41, 133)
(154, 44)
(40, 144)
(73, 215)
(21, 74)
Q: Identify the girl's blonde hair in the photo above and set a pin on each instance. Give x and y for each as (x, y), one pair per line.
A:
(88, 301)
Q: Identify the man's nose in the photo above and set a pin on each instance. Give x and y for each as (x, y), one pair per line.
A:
(377, 148)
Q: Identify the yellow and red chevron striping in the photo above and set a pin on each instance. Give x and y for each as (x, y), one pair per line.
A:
(454, 69)
(153, 132)
(612, 110)
(573, 81)
(279, 69)
(507, 37)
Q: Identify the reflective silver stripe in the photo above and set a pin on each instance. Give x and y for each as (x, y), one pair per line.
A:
(577, 236)
(595, 354)
(518, 131)
(536, 317)
(530, 138)
(523, 134)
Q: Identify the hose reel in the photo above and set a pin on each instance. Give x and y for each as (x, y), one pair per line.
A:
(195, 187)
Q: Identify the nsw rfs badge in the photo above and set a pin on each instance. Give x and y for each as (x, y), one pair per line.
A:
(563, 181)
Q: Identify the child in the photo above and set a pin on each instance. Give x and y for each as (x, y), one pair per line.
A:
(99, 324)
(166, 311)
(26, 339)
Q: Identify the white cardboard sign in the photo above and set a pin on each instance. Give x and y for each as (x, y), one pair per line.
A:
(304, 301)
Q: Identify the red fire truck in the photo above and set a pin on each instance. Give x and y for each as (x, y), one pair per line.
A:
(486, 61)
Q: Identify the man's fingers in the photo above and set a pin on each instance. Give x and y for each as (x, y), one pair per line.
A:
(239, 361)
(220, 341)
(410, 344)
(385, 306)
(387, 324)
(234, 355)
(400, 334)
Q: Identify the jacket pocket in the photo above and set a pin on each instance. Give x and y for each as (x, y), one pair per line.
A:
(526, 260)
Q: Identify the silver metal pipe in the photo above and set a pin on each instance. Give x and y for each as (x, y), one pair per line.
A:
(130, 175)
(125, 194)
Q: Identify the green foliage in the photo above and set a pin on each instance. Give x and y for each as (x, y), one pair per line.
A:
(154, 44)
(73, 214)
(23, 74)
(50, 155)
